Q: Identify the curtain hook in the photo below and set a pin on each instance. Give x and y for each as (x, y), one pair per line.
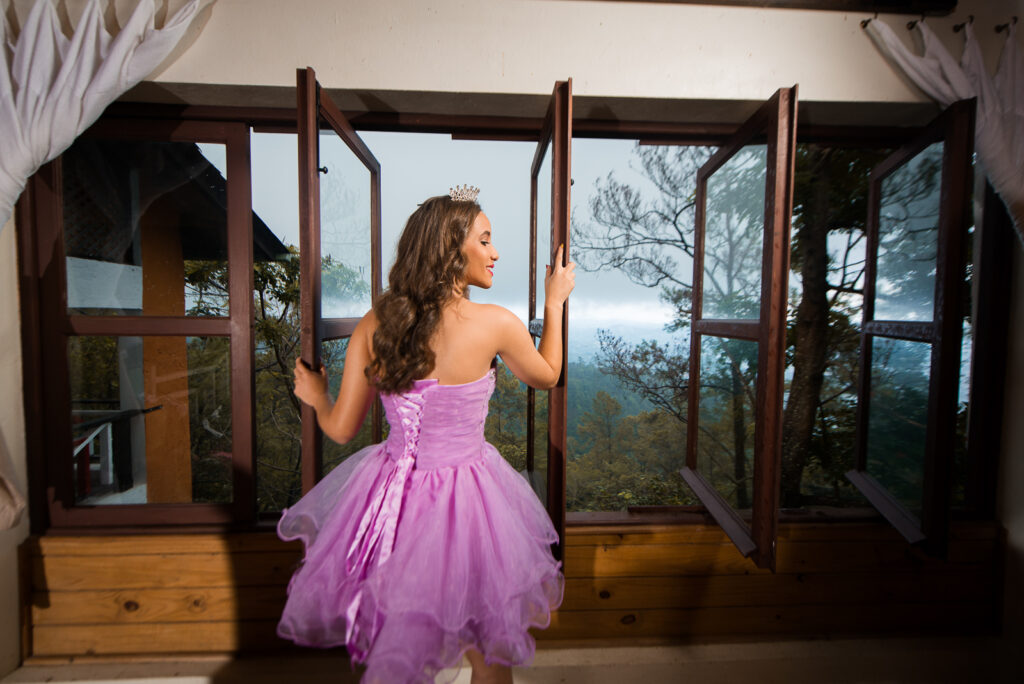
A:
(957, 28)
(1006, 27)
(912, 24)
(865, 22)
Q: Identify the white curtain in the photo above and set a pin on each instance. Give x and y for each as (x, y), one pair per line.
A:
(999, 126)
(53, 87)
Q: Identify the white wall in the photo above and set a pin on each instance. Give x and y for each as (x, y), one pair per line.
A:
(623, 49)
(12, 446)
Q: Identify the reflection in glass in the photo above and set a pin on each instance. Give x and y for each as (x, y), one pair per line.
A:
(151, 419)
(961, 461)
(276, 303)
(333, 453)
(898, 418)
(145, 228)
(543, 227)
(734, 229)
(278, 428)
(539, 476)
(726, 419)
(908, 230)
(344, 230)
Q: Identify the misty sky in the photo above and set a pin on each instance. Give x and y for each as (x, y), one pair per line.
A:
(416, 166)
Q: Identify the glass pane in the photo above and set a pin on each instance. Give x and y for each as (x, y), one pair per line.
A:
(823, 344)
(733, 235)
(628, 323)
(908, 229)
(145, 228)
(333, 355)
(539, 476)
(961, 475)
(506, 418)
(725, 443)
(275, 199)
(961, 462)
(344, 230)
(151, 419)
(543, 228)
(898, 418)
(278, 428)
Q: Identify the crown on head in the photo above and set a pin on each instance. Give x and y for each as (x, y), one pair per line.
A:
(466, 193)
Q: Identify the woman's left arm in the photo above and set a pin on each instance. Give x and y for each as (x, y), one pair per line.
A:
(341, 419)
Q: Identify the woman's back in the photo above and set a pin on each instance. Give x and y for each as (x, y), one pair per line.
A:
(465, 343)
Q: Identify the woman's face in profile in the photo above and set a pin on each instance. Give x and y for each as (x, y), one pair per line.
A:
(480, 253)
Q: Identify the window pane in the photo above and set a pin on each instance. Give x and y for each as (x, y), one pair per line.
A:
(145, 228)
(506, 418)
(826, 282)
(539, 477)
(961, 476)
(908, 228)
(151, 419)
(278, 428)
(725, 441)
(543, 228)
(344, 230)
(275, 198)
(333, 355)
(961, 462)
(628, 324)
(898, 418)
(734, 234)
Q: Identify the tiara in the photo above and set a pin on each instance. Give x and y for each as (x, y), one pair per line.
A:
(467, 193)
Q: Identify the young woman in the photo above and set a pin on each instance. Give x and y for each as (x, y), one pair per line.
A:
(429, 545)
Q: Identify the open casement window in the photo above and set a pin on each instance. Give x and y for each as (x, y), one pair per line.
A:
(919, 204)
(545, 464)
(339, 245)
(738, 327)
(143, 254)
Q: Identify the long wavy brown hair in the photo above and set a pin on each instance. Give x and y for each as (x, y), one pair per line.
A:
(429, 267)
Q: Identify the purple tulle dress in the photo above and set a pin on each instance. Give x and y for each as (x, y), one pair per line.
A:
(423, 546)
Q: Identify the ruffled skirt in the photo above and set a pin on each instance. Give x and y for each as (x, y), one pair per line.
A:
(470, 567)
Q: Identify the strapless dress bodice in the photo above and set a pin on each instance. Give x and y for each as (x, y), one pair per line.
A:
(438, 425)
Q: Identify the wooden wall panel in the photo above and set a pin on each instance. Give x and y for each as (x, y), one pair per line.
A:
(633, 560)
(837, 589)
(769, 621)
(135, 606)
(155, 638)
(185, 593)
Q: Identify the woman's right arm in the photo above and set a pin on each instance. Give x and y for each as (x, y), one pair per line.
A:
(541, 366)
(341, 419)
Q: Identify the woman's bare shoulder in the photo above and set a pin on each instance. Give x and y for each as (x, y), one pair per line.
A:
(493, 313)
(366, 326)
(369, 319)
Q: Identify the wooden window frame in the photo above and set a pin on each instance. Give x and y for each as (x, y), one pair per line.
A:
(42, 252)
(39, 206)
(955, 128)
(315, 112)
(556, 134)
(776, 120)
(922, 7)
